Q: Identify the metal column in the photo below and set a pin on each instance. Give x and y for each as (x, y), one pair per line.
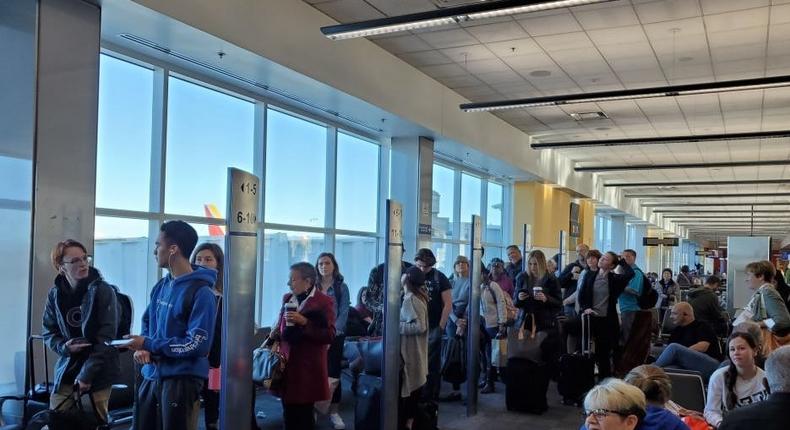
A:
(238, 299)
(392, 286)
(473, 317)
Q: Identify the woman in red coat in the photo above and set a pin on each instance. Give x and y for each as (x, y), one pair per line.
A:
(305, 329)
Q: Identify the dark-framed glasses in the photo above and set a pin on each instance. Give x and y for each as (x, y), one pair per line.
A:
(87, 259)
(600, 414)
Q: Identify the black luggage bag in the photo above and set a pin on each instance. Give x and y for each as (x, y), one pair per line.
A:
(526, 386)
(577, 371)
(427, 417)
(367, 408)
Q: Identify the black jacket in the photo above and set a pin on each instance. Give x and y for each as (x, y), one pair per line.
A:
(98, 365)
(545, 313)
(706, 306)
(772, 413)
(566, 278)
(617, 284)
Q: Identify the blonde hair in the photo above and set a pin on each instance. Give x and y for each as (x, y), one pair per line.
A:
(540, 259)
(653, 381)
(616, 395)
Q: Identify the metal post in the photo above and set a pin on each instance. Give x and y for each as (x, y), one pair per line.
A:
(562, 250)
(238, 299)
(473, 317)
(526, 245)
(392, 287)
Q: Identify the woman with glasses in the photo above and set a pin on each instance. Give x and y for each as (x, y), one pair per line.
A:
(614, 405)
(79, 319)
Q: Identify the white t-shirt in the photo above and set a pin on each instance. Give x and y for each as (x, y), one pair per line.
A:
(747, 391)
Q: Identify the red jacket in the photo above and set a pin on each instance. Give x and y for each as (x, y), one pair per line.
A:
(306, 379)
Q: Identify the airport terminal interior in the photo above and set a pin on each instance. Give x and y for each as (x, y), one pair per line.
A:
(491, 142)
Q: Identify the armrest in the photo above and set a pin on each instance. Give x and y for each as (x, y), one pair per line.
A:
(2, 402)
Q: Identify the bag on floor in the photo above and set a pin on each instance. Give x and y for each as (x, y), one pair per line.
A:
(367, 406)
(427, 417)
(454, 361)
(73, 418)
(526, 344)
(526, 386)
(499, 352)
(576, 373)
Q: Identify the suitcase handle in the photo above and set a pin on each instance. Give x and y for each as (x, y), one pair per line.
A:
(32, 363)
(586, 334)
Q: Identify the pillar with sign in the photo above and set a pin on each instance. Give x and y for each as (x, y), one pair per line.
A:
(238, 298)
(473, 317)
(392, 292)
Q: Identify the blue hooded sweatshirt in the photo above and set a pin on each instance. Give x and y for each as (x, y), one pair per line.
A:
(657, 419)
(180, 343)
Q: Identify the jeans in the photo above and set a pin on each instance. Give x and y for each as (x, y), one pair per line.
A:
(168, 404)
(679, 356)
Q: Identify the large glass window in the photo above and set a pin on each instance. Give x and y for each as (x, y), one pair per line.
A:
(123, 253)
(355, 255)
(281, 249)
(295, 170)
(470, 203)
(124, 134)
(357, 184)
(443, 201)
(207, 132)
(494, 214)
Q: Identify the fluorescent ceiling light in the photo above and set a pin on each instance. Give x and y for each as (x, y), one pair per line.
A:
(439, 17)
(697, 183)
(705, 196)
(632, 94)
(673, 166)
(665, 140)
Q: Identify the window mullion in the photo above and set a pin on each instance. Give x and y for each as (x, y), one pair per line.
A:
(330, 210)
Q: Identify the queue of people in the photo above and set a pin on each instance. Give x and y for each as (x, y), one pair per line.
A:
(178, 347)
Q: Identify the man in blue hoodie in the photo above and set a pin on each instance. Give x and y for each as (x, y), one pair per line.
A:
(176, 335)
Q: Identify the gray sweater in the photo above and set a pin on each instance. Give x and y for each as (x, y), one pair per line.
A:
(413, 343)
(460, 297)
(767, 303)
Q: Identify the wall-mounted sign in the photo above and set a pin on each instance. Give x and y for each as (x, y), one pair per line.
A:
(656, 241)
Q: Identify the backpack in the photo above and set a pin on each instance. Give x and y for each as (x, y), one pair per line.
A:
(510, 310)
(125, 314)
(649, 296)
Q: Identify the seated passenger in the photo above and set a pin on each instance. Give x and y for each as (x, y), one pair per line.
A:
(739, 384)
(305, 329)
(614, 405)
(692, 345)
(706, 305)
(413, 342)
(772, 413)
(655, 383)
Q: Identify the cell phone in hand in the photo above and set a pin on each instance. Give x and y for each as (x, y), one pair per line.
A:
(119, 343)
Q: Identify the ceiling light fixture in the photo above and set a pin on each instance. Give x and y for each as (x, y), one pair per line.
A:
(707, 205)
(703, 211)
(704, 196)
(633, 94)
(672, 166)
(664, 140)
(696, 184)
(439, 17)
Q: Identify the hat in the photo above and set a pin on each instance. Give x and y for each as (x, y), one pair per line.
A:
(415, 275)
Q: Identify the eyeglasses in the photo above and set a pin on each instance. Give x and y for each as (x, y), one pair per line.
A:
(600, 414)
(87, 259)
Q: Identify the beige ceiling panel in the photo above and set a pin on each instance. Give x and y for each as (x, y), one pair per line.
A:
(402, 44)
(606, 16)
(665, 31)
(520, 90)
(484, 66)
(719, 6)
(424, 58)
(402, 7)
(742, 100)
(741, 69)
(444, 71)
(578, 40)
(780, 14)
(468, 53)
(659, 106)
(509, 30)
(461, 81)
(749, 18)
(505, 76)
(558, 23)
(528, 63)
(474, 93)
(642, 78)
(618, 36)
(448, 38)
(349, 10)
(514, 48)
(666, 10)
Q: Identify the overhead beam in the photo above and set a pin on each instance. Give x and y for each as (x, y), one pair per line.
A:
(670, 205)
(697, 183)
(719, 137)
(674, 166)
(704, 196)
(746, 211)
(632, 94)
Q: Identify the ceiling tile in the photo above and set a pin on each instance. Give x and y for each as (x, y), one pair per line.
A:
(460, 81)
(472, 93)
(501, 77)
(578, 40)
(512, 48)
(606, 17)
(719, 6)
(424, 58)
(616, 36)
(468, 53)
(749, 18)
(402, 7)
(444, 71)
(401, 44)
(484, 66)
(509, 30)
(666, 10)
(553, 24)
(345, 11)
(780, 14)
(448, 38)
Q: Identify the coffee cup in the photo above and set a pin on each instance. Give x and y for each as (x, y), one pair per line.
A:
(290, 307)
(537, 290)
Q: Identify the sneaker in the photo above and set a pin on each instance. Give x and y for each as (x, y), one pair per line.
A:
(337, 421)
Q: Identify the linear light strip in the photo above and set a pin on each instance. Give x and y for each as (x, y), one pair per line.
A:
(704, 196)
(439, 17)
(719, 211)
(671, 204)
(626, 167)
(720, 137)
(632, 94)
(695, 184)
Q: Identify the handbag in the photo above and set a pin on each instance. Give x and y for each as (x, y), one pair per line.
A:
(527, 345)
(73, 418)
(499, 352)
(454, 361)
(771, 341)
(268, 365)
(511, 311)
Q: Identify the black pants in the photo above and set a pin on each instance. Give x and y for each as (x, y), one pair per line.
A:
(298, 416)
(334, 365)
(433, 384)
(606, 334)
(168, 404)
(210, 407)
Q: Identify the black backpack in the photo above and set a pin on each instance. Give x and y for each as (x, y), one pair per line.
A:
(649, 296)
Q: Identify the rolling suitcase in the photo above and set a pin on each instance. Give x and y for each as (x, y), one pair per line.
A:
(526, 386)
(577, 371)
(367, 408)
